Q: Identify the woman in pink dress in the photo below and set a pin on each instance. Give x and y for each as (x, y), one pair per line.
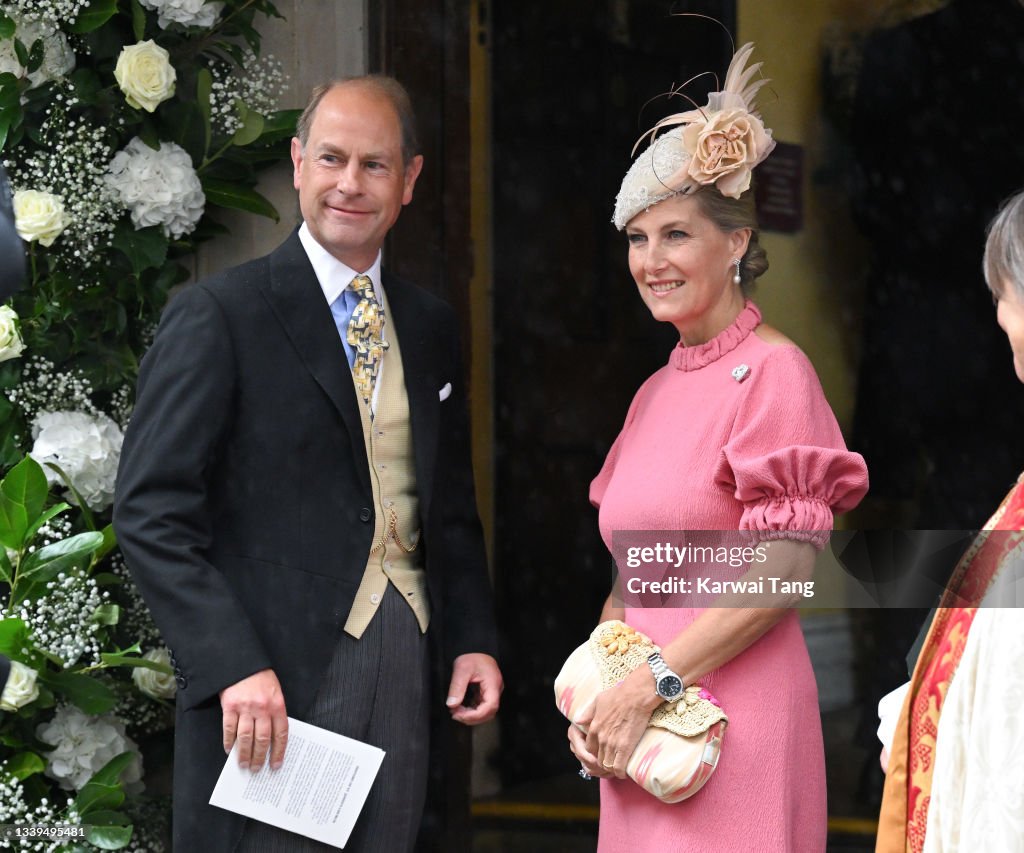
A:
(733, 434)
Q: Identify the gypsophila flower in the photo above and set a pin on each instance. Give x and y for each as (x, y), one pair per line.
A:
(86, 447)
(58, 57)
(188, 13)
(61, 620)
(158, 187)
(135, 619)
(51, 13)
(15, 809)
(83, 744)
(45, 389)
(71, 165)
(258, 84)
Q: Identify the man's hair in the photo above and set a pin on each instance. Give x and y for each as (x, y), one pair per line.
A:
(388, 88)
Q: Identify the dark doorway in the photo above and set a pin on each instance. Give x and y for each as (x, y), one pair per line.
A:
(572, 340)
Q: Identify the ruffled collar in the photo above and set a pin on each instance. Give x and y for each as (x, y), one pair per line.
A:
(696, 357)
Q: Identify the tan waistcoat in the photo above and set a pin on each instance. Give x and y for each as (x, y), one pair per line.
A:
(395, 555)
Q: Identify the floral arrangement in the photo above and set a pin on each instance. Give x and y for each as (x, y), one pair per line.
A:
(125, 125)
(718, 144)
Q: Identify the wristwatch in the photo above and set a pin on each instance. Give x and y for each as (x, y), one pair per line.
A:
(667, 684)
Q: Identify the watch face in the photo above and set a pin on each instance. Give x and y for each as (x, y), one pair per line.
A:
(669, 686)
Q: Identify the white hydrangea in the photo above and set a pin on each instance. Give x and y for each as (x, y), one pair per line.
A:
(58, 57)
(158, 187)
(188, 13)
(86, 447)
(83, 745)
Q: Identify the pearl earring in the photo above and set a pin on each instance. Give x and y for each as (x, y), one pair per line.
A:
(736, 279)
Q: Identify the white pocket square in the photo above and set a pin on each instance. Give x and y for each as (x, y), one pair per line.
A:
(445, 392)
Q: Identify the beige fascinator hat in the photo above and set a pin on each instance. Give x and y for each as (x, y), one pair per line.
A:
(719, 144)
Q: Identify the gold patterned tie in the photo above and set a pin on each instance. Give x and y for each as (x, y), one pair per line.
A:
(364, 336)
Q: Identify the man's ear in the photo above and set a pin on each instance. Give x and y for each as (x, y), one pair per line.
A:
(296, 161)
(412, 172)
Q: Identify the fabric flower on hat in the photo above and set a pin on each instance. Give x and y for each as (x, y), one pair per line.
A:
(158, 187)
(83, 745)
(726, 148)
(86, 447)
(188, 13)
(145, 75)
(718, 145)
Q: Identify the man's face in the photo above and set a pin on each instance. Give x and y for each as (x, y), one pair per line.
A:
(351, 181)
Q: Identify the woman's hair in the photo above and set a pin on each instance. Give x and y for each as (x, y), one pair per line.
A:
(1004, 247)
(734, 214)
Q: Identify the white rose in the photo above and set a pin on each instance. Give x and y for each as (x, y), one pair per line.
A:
(86, 447)
(39, 216)
(83, 745)
(11, 344)
(145, 75)
(188, 13)
(21, 687)
(159, 685)
(158, 187)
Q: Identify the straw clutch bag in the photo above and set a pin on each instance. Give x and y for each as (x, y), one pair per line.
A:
(679, 751)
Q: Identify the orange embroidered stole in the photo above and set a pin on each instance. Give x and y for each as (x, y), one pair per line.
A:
(908, 782)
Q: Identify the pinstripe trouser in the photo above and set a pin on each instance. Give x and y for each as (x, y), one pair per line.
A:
(376, 690)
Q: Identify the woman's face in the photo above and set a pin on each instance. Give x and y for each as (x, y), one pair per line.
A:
(1010, 315)
(683, 267)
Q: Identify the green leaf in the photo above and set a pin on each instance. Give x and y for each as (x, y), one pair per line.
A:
(52, 559)
(204, 88)
(107, 579)
(98, 796)
(13, 522)
(21, 52)
(13, 637)
(95, 15)
(279, 126)
(35, 57)
(6, 569)
(25, 764)
(6, 26)
(52, 512)
(109, 837)
(138, 20)
(25, 484)
(110, 773)
(109, 543)
(237, 197)
(83, 507)
(145, 248)
(88, 693)
(135, 662)
(107, 614)
(251, 129)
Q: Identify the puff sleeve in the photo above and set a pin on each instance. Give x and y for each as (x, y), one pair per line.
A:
(785, 459)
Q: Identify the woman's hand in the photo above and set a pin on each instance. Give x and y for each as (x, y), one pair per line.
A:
(618, 720)
(588, 761)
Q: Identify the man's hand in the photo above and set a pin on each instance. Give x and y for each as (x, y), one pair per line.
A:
(481, 670)
(255, 716)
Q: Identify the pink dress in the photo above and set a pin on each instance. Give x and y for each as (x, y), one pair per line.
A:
(701, 450)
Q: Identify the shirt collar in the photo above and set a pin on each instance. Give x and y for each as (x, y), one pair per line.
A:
(333, 275)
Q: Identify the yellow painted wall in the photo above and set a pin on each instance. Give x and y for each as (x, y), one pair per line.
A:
(813, 290)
